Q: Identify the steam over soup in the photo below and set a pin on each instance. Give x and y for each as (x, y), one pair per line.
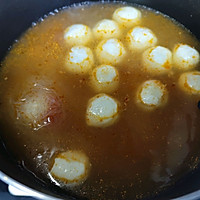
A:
(102, 100)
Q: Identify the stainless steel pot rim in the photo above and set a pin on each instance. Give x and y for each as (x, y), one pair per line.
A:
(39, 195)
(33, 193)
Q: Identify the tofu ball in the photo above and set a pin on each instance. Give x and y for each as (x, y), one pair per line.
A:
(102, 111)
(185, 57)
(105, 29)
(79, 60)
(157, 60)
(152, 94)
(190, 82)
(78, 34)
(127, 16)
(140, 38)
(104, 78)
(110, 51)
(71, 168)
(38, 107)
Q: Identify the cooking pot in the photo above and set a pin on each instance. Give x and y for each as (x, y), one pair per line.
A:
(15, 17)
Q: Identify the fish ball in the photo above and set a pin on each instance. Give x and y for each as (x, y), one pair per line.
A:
(185, 57)
(102, 111)
(110, 51)
(71, 167)
(79, 60)
(127, 16)
(104, 78)
(78, 34)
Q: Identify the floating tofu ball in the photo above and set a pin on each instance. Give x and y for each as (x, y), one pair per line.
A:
(106, 29)
(140, 38)
(102, 111)
(190, 82)
(77, 34)
(110, 51)
(38, 107)
(157, 60)
(152, 94)
(79, 60)
(71, 168)
(127, 16)
(185, 57)
(104, 78)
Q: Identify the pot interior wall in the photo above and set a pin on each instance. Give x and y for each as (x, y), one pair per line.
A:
(17, 15)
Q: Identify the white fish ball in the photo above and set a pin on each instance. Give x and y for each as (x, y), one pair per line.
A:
(127, 16)
(77, 34)
(105, 29)
(152, 94)
(140, 38)
(185, 57)
(71, 167)
(190, 82)
(157, 60)
(79, 60)
(102, 111)
(104, 78)
(110, 51)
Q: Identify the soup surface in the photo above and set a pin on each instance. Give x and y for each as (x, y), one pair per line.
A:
(43, 109)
